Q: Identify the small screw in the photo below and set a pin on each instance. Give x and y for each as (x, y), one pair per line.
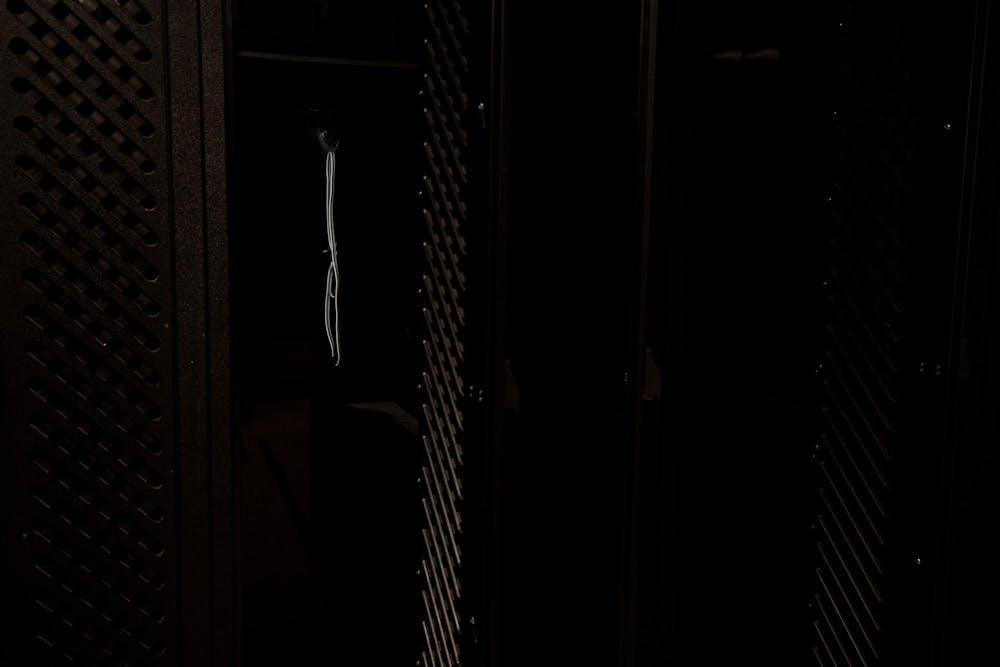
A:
(917, 560)
(947, 127)
(481, 106)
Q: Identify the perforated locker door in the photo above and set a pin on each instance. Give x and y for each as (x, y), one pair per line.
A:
(113, 350)
(456, 293)
(446, 213)
(901, 114)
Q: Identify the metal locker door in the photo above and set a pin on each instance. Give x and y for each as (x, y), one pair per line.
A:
(902, 112)
(453, 293)
(114, 352)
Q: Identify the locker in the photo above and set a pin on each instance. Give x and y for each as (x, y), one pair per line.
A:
(497, 333)
(810, 184)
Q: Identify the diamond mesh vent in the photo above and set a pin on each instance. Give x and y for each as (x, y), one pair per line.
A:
(90, 284)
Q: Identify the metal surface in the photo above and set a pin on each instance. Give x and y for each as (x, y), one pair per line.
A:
(965, 574)
(112, 232)
(447, 110)
(896, 186)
